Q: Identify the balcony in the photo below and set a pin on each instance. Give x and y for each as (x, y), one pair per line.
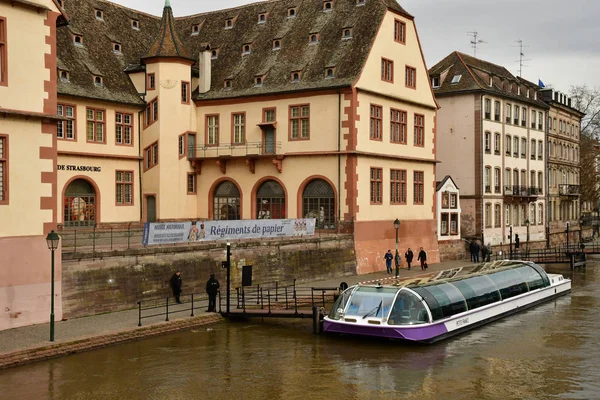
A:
(521, 191)
(249, 151)
(569, 190)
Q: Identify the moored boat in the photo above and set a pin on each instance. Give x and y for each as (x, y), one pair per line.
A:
(430, 308)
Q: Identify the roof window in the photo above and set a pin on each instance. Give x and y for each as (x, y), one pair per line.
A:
(229, 23)
(456, 78)
(258, 80)
(214, 54)
(347, 33)
(435, 82)
(276, 44)
(135, 24)
(329, 73)
(262, 18)
(99, 15)
(246, 49)
(327, 6)
(98, 81)
(227, 84)
(195, 29)
(361, 2)
(78, 40)
(291, 12)
(63, 75)
(313, 38)
(116, 48)
(295, 76)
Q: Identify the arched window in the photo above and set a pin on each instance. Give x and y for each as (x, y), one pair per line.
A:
(318, 201)
(226, 201)
(270, 201)
(79, 206)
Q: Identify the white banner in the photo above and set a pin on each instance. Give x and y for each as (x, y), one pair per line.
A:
(201, 231)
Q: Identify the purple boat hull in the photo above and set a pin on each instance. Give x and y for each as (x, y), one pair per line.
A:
(413, 334)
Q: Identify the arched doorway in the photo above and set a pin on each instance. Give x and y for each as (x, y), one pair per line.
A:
(270, 201)
(226, 201)
(318, 201)
(79, 204)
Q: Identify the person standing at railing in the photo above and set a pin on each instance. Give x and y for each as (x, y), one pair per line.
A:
(176, 285)
(212, 288)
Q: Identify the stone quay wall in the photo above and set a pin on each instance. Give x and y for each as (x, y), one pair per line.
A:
(95, 283)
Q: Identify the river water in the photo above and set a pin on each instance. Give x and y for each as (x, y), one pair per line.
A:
(549, 352)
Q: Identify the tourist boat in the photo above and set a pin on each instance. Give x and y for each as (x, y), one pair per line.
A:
(433, 307)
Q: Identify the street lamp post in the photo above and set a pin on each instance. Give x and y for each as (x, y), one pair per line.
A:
(527, 225)
(397, 258)
(580, 230)
(52, 240)
(567, 231)
(228, 274)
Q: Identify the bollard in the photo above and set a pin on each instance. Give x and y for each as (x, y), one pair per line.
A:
(287, 306)
(192, 305)
(269, 300)
(167, 310)
(139, 313)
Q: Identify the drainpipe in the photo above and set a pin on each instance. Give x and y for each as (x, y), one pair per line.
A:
(482, 138)
(339, 159)
(140, 166)
(547, 173)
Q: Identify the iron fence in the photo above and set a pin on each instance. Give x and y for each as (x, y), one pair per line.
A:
(160, 306)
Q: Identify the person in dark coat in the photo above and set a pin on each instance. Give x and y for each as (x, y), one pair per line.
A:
(423, 258)
(388, 257)
(517, 241)
(472, 250)
(212, 288)
(409, 257)
(484, 253)
(176, 285)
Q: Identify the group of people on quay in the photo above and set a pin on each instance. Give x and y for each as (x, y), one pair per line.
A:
(212, 288)
(408, 256)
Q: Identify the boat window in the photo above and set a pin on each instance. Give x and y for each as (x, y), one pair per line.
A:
(449, 299)
(408, 310)
(509, 282)
(478, 291)
(339, 305)
(535, 280)
(374, 302)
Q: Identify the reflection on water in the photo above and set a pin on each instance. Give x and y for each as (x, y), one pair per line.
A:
(548, 352)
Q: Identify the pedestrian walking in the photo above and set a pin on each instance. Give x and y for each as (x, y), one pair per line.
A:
(409, 257)
(176, 286)
(489, 252)
(398, 261)
(476, 251)
(423, 258)
(212, 288)
(472, 250)
(484, 253)
(388, 257)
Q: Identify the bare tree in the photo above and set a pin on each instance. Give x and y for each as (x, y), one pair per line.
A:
(587, 100)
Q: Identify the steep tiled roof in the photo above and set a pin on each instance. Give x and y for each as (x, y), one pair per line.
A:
(167, 42)
(475, 76)
(346, 55)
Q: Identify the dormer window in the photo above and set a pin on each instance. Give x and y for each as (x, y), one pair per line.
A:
(347, 33)
(117, 48)
(246, 49)
(296, 76)
(63, 75)
(195, 29)
(258, 80)
(135, 24)
(361, 2)
(327, 6)
(276, 44)
(291, 12)
(313, 38)
(262, 18)
(227, 84)
(100, 15)
(329, 73)
(98, 81)
(229, 23)
(78, 40)
(435, 82)
(214, 54)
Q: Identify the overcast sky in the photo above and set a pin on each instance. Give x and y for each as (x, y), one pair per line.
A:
(561, 38)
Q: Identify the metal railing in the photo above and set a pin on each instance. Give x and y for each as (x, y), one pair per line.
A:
(521, 191)
(569, 190)
(260, 148)
(276, 296)
(160, 306)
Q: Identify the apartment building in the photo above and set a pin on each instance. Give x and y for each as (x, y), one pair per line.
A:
(491, 139)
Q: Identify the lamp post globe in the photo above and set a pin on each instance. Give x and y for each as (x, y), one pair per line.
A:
(52, 241)
(397, 255)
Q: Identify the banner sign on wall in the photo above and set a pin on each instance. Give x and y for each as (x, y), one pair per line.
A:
(201, 231)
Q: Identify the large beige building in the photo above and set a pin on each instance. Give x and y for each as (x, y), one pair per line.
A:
(564, 189)
(28, 176)
(491, 140)
(277, 109)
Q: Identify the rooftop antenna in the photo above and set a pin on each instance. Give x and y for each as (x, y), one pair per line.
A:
(474, 41)
(521, 57)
